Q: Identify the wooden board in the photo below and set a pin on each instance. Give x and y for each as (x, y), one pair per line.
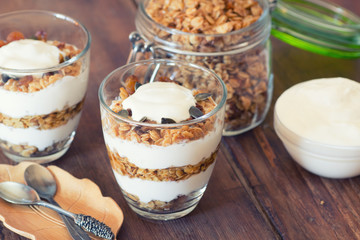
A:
(73, 194)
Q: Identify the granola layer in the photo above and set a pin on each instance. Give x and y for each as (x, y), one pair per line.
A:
(43, 122)
(32, 151)
(173, 205)
(126, 168)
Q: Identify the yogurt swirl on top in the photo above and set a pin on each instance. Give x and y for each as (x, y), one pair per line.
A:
(29, 54)
(158, 100)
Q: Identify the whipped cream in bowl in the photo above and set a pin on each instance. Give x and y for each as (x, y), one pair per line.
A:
(162, 137)
(319, 123)
(44, 71)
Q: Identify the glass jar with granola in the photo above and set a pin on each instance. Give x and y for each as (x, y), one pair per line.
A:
(229, 37)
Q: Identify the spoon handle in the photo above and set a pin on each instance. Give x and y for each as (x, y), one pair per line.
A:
(56, 209)
(89, 223)
(76, 232)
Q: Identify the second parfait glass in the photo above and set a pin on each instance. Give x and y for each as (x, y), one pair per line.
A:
(44, 67)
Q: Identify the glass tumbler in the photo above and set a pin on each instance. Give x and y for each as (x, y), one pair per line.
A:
(40, 104)
(163, 168)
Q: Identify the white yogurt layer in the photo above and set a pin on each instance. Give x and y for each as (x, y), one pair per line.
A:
(163, 191)
(158, 100)
(29, 54)
(38, 138)
(323, 110)
(63, 93)
(175, 155)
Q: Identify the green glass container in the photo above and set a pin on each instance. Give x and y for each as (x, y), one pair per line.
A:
(317, 26)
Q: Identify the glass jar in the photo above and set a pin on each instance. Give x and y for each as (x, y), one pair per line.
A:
(242, 58)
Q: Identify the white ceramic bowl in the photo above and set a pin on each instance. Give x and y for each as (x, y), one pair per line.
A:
(322, 159)
(332, 159)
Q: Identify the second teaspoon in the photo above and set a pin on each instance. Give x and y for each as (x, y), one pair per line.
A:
(41, 179)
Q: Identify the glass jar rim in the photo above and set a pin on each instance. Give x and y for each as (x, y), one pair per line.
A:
(61, 65)
(170, 125)
(314, 25)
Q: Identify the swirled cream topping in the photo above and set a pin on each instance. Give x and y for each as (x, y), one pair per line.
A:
(29, 54)
(158, 100)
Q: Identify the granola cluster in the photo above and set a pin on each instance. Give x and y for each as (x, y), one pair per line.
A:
(246, 74)
(204, 16)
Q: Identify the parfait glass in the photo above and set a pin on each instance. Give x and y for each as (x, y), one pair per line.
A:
(41, 100)
(163, 168)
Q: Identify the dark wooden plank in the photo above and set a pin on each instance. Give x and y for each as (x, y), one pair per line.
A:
(300, 205)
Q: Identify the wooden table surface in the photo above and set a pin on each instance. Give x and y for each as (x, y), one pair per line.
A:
(256, 191)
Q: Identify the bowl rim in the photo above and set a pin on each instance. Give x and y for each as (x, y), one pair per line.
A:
(284, 132)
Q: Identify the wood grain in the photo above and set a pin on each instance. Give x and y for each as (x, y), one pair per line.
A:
(257, 191)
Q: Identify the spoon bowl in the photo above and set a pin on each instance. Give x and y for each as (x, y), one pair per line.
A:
(41, 179)
(18, 193)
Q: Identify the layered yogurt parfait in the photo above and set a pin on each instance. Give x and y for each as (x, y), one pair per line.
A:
(162, 128)
(44, 67)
